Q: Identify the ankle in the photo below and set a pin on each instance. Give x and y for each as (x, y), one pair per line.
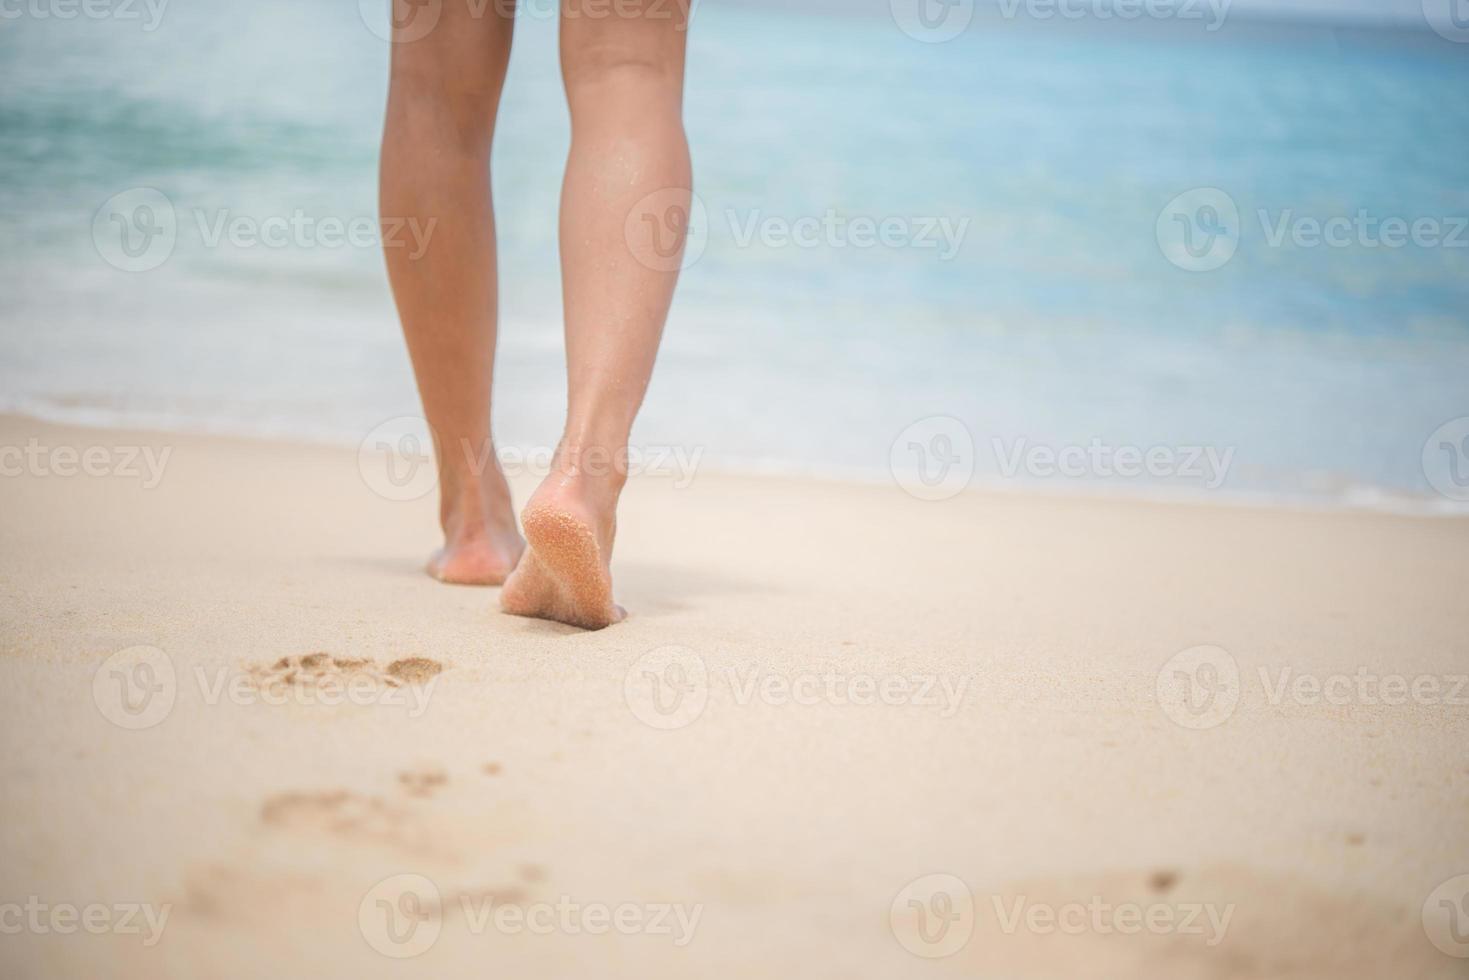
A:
(475, 506)
(598, 468)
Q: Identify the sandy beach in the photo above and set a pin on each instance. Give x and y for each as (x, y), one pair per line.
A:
(844, 733)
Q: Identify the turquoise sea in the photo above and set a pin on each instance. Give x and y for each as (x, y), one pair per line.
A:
(1098, 231)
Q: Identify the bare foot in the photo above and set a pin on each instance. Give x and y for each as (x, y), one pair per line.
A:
(481, 544)
(565, 574)
(475, 560)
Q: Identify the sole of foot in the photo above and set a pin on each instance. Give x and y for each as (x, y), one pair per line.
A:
(562, 575)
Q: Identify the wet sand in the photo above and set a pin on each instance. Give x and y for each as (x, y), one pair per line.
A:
(841, 732)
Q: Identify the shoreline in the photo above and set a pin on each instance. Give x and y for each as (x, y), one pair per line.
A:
(1353, 499)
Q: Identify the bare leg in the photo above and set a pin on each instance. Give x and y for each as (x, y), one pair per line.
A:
(623, 69)
(442, 101)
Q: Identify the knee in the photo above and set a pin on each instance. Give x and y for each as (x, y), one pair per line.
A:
(622, 88)
(443, 105)
(458, 70)
(596, 68)
(432, 83)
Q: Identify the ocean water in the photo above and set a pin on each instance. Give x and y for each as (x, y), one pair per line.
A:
(1099, 239)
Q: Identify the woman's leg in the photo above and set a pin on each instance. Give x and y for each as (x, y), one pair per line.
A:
(622, 64)
(444, 94)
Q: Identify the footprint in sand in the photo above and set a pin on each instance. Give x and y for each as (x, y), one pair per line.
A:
(322, 672)
(344, 831)
(336, 812)
(423, 783)
(414, 670)
(351, 818)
